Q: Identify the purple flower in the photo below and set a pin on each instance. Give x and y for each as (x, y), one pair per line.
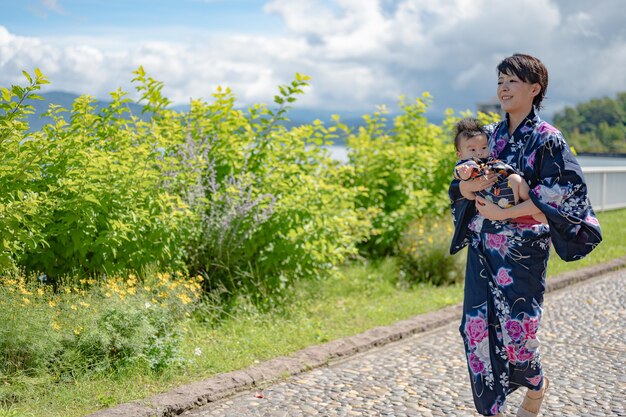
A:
(497, 242)
(525, 129)
(530, 327)
(476, 330)
(547, 128)
(510, 353)
(524, 355)
(535, 380)
(503, 278)
(514, 329)
(475, 364)
(500, 144)
(592, 220)
(531, 159)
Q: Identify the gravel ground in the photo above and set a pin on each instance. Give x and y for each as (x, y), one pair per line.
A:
(584, 354)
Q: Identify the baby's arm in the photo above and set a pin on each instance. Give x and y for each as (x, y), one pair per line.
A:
(467, 170)
(463, 172)
(520, 190)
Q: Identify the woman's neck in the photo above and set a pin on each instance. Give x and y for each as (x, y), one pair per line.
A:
(516, 118)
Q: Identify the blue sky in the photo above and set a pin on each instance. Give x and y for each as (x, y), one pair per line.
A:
(359, 53)
(154, 18)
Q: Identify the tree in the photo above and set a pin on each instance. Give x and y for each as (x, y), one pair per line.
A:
(598, 125)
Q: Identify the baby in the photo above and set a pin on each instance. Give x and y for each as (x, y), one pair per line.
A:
(474, 161)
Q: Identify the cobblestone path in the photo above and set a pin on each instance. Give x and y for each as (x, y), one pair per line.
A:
(584, 353)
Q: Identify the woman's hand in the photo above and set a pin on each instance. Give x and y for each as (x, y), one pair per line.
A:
(489, 210)
(492, 211)
(468, 188)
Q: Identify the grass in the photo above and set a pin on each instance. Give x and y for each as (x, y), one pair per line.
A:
(361, 297)
(613, 246)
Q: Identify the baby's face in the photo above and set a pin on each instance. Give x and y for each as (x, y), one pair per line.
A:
(474, 147)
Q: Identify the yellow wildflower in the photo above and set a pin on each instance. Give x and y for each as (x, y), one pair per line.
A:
(25, 291)
(184, 298)
(55, 325)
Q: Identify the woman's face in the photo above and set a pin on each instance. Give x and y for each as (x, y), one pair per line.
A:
(515, 95)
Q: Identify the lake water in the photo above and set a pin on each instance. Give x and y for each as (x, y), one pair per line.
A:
(601, 161)
(340, 154)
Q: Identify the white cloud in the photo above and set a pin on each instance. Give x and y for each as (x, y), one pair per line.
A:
(360, 53)
(53, 5)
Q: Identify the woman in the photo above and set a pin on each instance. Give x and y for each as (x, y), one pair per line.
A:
(508, 251)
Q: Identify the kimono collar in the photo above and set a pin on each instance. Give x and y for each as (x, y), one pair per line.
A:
(530, 121)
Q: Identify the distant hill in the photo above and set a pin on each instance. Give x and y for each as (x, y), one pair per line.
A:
(297, 116)
(65, 100)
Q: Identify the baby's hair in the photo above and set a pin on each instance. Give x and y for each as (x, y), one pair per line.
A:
(465, 129)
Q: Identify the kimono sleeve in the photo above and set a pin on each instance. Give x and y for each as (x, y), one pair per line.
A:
(463, 210)
(560, 192)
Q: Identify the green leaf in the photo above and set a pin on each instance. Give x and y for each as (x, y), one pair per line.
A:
(92, 199)
(28, 77)
(6, 94)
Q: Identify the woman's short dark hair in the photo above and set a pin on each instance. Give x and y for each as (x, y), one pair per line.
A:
(528, 69)
(465, 129)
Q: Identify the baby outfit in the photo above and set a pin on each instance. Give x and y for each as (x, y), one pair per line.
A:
(500, 193)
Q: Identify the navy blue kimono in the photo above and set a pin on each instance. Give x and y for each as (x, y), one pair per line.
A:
(507, 260)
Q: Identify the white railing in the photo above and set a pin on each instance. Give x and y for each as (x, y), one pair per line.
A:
(606, 187)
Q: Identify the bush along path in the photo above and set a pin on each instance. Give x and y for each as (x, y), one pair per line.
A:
(109, 218)
(194, 395)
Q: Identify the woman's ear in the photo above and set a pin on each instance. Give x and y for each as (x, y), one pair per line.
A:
(535, 89)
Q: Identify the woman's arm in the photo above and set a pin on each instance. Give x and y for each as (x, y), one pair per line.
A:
(494, 212)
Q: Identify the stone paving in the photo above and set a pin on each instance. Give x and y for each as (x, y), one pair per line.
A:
(584, 354)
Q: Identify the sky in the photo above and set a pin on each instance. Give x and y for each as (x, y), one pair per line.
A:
(360, 54)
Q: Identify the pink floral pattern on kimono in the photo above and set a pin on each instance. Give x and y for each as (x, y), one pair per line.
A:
(507, 262)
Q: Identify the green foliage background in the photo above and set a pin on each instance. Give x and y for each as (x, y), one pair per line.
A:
(145, 224)
(598, 125)
(228, 193)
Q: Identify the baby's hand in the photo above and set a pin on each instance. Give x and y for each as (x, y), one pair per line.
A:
(464, 171)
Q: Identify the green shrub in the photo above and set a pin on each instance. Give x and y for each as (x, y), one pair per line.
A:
(83, 196)
(400, 173)
(94, 326)
(20, 167)
(272, 205)
(26, 338)
(424, 253)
